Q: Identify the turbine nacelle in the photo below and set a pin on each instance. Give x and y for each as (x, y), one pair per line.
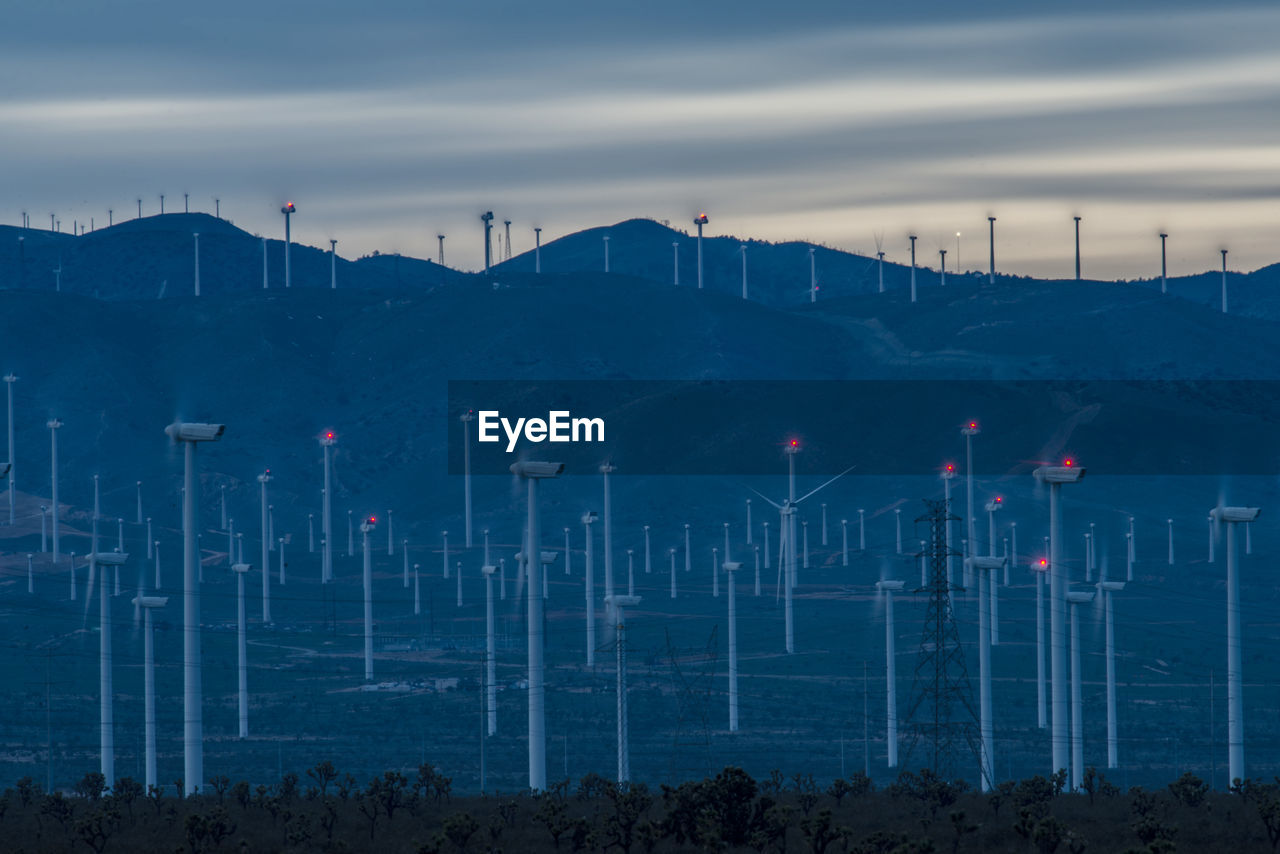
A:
(1069, 473)
(537, 469)
(1234, 514)
(191, 431)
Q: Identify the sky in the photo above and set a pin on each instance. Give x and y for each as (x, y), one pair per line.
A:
(846, 124)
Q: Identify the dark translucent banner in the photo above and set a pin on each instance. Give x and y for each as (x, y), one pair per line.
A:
(658, 427)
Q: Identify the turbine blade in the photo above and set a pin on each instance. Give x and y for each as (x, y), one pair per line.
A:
(828, 483)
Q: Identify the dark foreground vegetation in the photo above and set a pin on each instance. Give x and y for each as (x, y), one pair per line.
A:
(326, 810)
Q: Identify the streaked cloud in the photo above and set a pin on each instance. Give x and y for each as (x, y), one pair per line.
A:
(392, 124)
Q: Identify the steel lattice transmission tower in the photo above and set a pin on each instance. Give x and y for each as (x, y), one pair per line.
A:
(940, 717)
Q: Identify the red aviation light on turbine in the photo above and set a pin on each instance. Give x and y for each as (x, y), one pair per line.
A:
(1042, 563)
(1068, 462)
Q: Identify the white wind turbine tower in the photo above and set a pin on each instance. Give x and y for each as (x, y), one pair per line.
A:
(947, 475)
(466, 418)
(138, 519)
(675, 269)
(606, 469)
(813, 275)
(984, 568)
(1224, 280)
(327, 441)
(844, 542)
(417, 591)
(616, 605)
(912, 238)
(688, 554)
(897, 528)
(1233, 516)
(1040, 567)
(672, 553)
(280, 561)
(365, 527)
(589, 573)
(743, 249)
(196, 274)
(444, 553)
(53, 425)
(1109, 588)
(288, 211)
(1056, 476)
(991, 276)
(391, 543)
(862, 530)
(765, 525)
(148, 604)
(31, 580)
(824, 523)
(532, 472)
(106, 718)
(648, 566)
(458, 583)
(1077, 219)
(9, 380)
(891, 670)
(190, 434)
(606, 253)
(731, 570)
(537, 249)
(715, 573)
(1212, 534)
(992, 507)
(263, 479)
(700, 220)
(264, 263)
(490, 652)
(1164, 267)
(969, 430)
(351, 548)
(1076, 598)
(333, 264)
(804, 538)
(1170, 521)
(726, 541)
(404, 552)
(748, 521)
(242, 653)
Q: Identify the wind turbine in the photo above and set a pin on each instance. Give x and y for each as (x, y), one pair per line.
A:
(984, 568)
(490, 652)
(743, 249)
(106, 718)
(912, 238)
(897, 528)
(333, 264)
(787, 535)
(242, 655)
(1233, 516)
(327, 441)
(813, 276)
(616, 605)
(1170, 521)
(942, 267)
(648, 567)
(606, 253)
(366, 527)
(1056, 476)
(1224, 280)
(1076, 598)
(466, 418)
(1077, 219)
(991, 276)
(891, 671)
(715, 572)
(824, 523)
(148, 604)
(969, 430)
(675, 264)
(9, 380)
(1040, 567)
(288, 210)
(731, 569)
(991, 507)
(190, 434)
(672, 553)
(844, 542)
(700, 220)
(487, 219)
(532, 472)
(1109, 588)
(605, 469)
(880, 263)
(1164, 266)
(53, 425)
(589, 573)
(537, 250)
(263, 479)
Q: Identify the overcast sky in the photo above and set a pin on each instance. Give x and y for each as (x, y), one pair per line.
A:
(836, 122)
